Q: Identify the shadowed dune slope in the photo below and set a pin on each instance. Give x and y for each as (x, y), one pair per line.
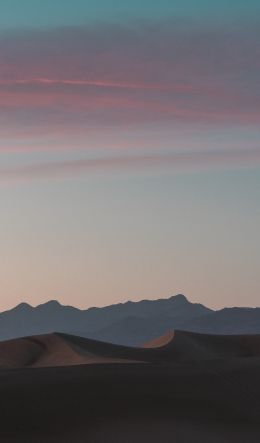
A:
(188, 346)
(66, 350)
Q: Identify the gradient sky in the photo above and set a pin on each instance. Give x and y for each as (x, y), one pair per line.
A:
(129, 151)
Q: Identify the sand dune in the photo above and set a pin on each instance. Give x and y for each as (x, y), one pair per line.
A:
(181, 388)
(187, 346)
(174, 347)
(54, 350)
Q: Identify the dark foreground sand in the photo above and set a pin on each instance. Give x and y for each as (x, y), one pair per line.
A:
(180, 388)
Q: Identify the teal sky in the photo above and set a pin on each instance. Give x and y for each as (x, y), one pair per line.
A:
(16, 13)
(129, 151)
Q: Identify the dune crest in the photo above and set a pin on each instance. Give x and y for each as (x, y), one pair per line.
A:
(161, 341)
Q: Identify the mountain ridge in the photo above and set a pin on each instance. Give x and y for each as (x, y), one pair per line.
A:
(128, 323)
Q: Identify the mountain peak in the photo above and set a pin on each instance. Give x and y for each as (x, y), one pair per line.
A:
(50, 304)
(180, 298)
(23, 306)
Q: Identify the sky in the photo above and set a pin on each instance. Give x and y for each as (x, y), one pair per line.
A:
(129, 151)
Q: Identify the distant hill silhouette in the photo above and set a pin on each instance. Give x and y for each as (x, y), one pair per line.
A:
(130, 323)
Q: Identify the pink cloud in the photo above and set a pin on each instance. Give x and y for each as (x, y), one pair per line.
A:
(91, 80)
(136, 57)
(176, 161)
(97, 83)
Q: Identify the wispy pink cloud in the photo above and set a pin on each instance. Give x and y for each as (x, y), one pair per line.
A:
(177, 161)
(161, 58)
(94, 79)
(98, 84)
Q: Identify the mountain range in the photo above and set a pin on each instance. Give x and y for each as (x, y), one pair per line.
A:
(130, 323)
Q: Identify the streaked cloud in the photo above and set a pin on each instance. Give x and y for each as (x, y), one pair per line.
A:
(96, 83)
(117, 75)
(177, 161)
